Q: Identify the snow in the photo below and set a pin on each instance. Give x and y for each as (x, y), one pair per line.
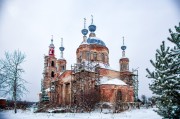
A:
(62, 58)
(2, 98)
(114, 81)
(103, 79)
(47, 90)
(84, 42)
(130, 114)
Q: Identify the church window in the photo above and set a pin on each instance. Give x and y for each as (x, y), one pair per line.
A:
(80, 57)
(80, 54)
(63, 68)
(95, 56)
(52, 74)
(119, 96)
(52, 63)
(91, 56)
(102, 57)
(87, 55)
(127, 67)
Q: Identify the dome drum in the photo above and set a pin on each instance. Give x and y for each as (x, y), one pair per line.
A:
(94, 40)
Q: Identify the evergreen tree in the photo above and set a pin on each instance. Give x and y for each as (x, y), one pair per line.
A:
(166, 77)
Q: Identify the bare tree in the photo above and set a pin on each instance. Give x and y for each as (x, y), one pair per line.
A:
(11, 80)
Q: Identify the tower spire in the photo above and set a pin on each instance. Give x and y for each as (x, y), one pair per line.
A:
(91, 19)
(123, 47)
(61, 48)
(51, 39)
(84, 31)
(84, 23)
(123, 40)
(92, 28)
(51, 47)
(61, 42)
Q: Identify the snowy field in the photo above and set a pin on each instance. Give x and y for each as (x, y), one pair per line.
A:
(133, 114)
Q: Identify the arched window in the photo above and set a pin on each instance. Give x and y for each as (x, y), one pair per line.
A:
(87, 55)
(52, 74)
(95, 56)
(47, 62)
(102, 57)
(63, 68)
(52, 63)
(80, 57)
(119, 96)
(91, 56)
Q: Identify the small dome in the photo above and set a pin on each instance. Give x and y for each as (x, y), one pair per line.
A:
(61, 48)
(94, 40)
(84, 31)
(92, 28)
(51, 45)
(123, 47)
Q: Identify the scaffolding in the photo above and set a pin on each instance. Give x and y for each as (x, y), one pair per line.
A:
(85, 83)
(135, 85)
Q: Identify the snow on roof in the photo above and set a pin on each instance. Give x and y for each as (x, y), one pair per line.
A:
(114, 82)
(84, 42)
(103, 79)
(2, 98)
(61, 58)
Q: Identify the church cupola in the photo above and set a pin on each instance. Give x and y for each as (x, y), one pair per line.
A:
(92, 28)
(92, 49)
(61, 49)
(51, 48)
(124, 61)
(84, 32)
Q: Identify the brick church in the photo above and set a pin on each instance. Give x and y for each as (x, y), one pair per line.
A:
(91, 79)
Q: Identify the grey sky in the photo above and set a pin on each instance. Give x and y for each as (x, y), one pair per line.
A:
(27, 25)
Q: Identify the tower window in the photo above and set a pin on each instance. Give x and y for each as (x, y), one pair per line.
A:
(47, 62)
(63, 68)
(52, 74)
(52, 63)
(102, 57)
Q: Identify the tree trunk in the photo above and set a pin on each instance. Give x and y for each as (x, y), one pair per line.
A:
(15, 92)
(14, 96)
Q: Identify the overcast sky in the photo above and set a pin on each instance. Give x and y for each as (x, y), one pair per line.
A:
(27, 25)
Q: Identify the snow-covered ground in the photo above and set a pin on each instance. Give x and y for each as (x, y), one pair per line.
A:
(133, 114)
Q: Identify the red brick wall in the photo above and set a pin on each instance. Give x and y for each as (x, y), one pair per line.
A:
(108, 93)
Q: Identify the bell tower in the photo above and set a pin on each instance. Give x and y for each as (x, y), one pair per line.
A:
(61, 62)
(49, 65)
(124, 61)
(125, 74)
